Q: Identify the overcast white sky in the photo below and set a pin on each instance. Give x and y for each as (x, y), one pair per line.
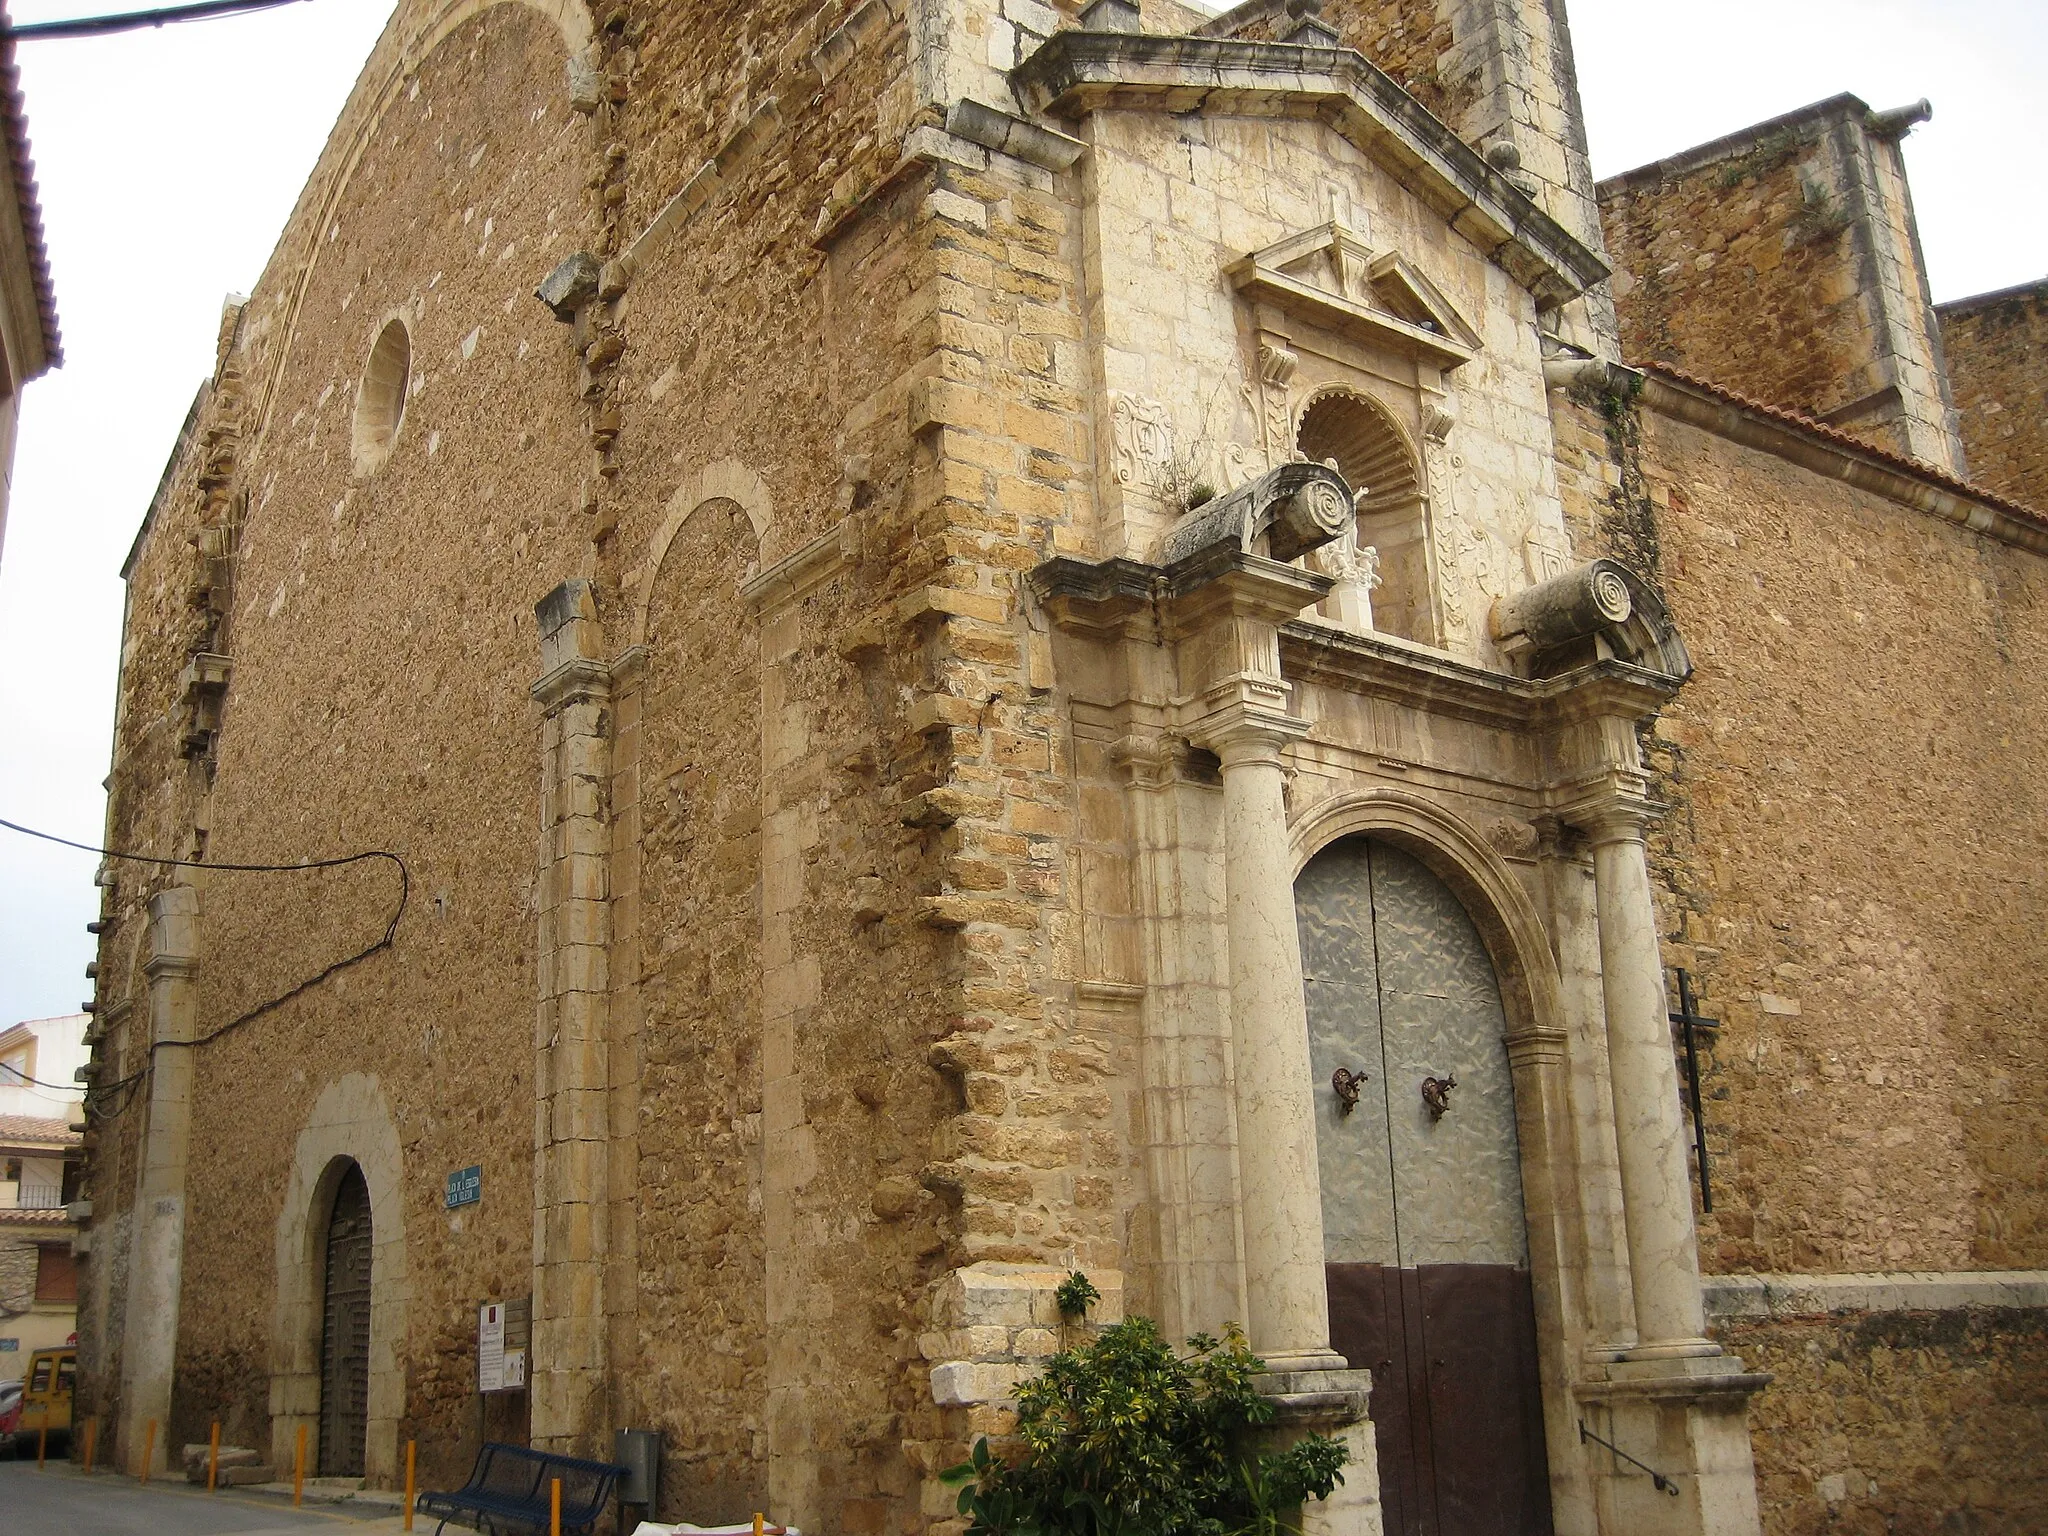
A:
(170, 159)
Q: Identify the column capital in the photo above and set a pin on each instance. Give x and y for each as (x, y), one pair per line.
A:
(578, 680)
(1240, 734)
(571, 645)
(1616, 807)
(1153, 761)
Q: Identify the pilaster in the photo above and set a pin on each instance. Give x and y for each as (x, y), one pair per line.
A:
(572, 1031)
(156, 1263)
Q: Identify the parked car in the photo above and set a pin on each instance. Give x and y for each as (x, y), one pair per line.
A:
(46, 1397)
(10, 1415)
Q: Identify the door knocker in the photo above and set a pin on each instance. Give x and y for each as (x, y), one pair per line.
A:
(1436, 1093)
(1347, 1083)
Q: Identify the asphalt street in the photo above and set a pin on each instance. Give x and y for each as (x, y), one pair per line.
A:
(59, 1501)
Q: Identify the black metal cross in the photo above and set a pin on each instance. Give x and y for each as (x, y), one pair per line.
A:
(1689, 1017)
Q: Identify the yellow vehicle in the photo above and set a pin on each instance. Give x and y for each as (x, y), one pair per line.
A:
(46, 1395)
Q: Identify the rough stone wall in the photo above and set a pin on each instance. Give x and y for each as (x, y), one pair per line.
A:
(699, 1246)
(1845, 869)
(1406, 38)
(17, 1274)
(776, 329)
(382, 644)
(1900, 1422)
(1997, 350)
(1787, 266)
(1743, 271)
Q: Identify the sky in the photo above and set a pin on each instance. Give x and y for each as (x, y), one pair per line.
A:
(169, 160)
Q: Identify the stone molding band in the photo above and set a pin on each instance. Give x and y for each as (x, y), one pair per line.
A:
(1732, 1298)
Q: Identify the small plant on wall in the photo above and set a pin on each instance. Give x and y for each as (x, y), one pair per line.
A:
(1124, 1436)
(1075, 1296)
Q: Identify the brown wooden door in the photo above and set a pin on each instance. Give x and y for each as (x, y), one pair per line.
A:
(1423, 1222)
(345, 1331)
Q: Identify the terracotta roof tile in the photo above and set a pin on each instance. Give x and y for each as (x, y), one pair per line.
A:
(34, 1216)
(14, 111)
(14, 1128)
(1837, 436)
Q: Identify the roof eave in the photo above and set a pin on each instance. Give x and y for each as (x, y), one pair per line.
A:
(34, 250)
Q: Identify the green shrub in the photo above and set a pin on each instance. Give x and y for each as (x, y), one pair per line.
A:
(1123, 1437)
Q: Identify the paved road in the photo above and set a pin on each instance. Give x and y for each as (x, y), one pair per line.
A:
(58, 1501)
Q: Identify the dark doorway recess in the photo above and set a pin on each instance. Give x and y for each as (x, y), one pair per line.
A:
(345, 1330)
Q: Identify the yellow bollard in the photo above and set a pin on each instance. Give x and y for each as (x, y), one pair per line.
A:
(759, 1521)
(213, 1456)
(410, 1445)
(92, 1426)
(299, 1469)
(148, 1450)
(554, 1506)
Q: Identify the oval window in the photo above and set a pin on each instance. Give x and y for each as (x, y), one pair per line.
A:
(380, 400)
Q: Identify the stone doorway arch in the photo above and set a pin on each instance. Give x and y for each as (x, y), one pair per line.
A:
(350, 1132)
(1550, 1140)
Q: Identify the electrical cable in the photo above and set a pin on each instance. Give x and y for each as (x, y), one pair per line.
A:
(134, 21)
(390, 932)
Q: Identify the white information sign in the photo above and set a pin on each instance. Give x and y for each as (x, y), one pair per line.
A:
(490, 1349)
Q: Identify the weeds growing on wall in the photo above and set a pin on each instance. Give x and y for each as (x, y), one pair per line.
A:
(1628, 525)
(1125, 1437)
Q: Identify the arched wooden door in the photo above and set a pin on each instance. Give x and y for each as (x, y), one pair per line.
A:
(345, 1330)
(1424, 1233)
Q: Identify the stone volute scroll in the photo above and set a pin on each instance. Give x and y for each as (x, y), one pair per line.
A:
(1283, 514)
(1598, 611)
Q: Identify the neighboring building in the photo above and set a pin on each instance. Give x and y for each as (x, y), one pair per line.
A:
(1784, 261)
(1049, 579)
(39, 1064)
(1995, 343)
(29, 341)
(40, 1152)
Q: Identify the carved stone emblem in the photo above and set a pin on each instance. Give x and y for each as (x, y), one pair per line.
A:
(1144, 441)
(1545, 552)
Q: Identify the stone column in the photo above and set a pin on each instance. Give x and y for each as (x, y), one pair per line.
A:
(1281, 1203)
(571, 1038)
(1664, 1268)
(156, 1263)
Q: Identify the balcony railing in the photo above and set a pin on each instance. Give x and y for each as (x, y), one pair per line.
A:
(39, 1197)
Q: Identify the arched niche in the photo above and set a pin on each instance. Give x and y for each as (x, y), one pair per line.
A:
(1377, 460)
(696, 781)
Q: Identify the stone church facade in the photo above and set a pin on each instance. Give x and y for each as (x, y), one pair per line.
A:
(1001, 637)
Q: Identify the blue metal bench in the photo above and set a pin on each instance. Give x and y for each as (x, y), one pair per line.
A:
(508, 1492)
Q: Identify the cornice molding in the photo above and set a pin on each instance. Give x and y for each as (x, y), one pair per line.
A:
(1078, 72)
(579, 679)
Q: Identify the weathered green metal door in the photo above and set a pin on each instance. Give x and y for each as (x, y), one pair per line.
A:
(1424, 1233)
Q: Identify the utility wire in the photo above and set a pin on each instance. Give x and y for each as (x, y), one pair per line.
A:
(390, 929)
(134, 21)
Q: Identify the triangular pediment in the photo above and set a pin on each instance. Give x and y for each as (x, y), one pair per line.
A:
(1329, 276)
